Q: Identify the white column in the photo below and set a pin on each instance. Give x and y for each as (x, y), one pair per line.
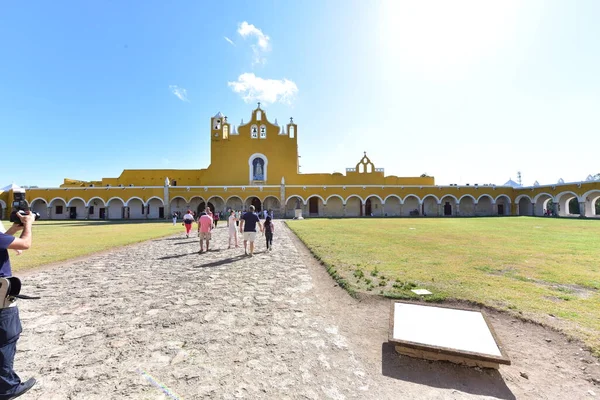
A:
(532, 209)
(49, 212)
(440, 210)
(87, 212)
(582, 212)
(344, 207)
(457, 209)
(324, 214)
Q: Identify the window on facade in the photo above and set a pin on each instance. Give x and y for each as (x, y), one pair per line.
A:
(254, 132)
(292, 132)
(59, 210)
(369, 168)
(91, 210)
(258, 115)
(263, 132)
(361, 168)
(225, 131)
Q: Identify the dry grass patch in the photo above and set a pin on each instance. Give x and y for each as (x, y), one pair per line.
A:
(547, 269)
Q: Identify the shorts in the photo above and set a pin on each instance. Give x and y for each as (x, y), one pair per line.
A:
(204, 235)
(250, 236)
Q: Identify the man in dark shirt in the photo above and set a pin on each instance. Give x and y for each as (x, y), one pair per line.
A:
(248, 229)
(11, 386)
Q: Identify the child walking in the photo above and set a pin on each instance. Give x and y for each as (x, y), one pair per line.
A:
(269, 229)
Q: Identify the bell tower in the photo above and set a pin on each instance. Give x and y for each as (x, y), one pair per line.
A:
(219, 127)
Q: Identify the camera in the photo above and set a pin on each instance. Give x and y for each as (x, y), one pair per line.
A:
(20, 207)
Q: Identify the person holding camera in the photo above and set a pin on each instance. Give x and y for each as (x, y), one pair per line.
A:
(11, 386)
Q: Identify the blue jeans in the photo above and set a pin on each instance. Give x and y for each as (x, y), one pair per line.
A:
(10, 330)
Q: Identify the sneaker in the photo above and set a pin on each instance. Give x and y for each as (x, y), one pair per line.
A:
(187, 236)
(23, 388)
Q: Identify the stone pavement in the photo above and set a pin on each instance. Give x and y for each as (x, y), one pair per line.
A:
(160, 321)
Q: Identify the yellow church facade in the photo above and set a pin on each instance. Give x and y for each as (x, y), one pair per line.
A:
(257, 164)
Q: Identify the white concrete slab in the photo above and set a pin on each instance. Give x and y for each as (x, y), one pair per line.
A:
(421, 291)
(444, 327)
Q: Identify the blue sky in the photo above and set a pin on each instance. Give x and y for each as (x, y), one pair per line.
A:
(466, 91)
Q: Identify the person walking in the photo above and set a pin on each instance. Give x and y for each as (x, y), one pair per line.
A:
(269, 228)
(205, 226)
(216, 218)
(174, 216)
(188, 220)
(232, 229)
(248, 229)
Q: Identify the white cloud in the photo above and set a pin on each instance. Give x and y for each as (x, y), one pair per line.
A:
(262, 45)
(252, 88)
(181, 93)
(229, 40)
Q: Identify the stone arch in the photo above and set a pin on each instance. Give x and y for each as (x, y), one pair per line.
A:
(315, 195)
(315, 205)
(134, 198)
(218, 203)
(251, 167)
(76, 208)
(255, 201)
(484, 196)
(357, 196)
(58, 208)
(411, 205)
(485, 206)
(153, 205)
(195, 202)
(354, 206)
(503, 205)
(115, 208)
(563, 200)
(234, 203)
(524, 206)
(90, 201)
(272, 203)
(541, 203)
(374, 206)
(296, 196)
(178, 204)
(448, 208)
(51, 202)
(291, 203)
(392, 206)
(430, 205)
(466, 205)
(335, 206)
(332, 196)
(591, 198)
(136, 208)
(40, 209)
(76, 198)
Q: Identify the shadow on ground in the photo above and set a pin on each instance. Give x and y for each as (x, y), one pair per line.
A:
(444, 375)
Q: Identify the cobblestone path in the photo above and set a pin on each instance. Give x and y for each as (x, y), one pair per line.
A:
(160, 321)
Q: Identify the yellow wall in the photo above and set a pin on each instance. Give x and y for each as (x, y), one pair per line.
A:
(228, 176)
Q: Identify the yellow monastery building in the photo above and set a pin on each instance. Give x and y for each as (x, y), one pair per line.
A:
(269, 179)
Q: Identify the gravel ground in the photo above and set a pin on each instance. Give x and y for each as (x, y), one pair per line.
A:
(157, 320)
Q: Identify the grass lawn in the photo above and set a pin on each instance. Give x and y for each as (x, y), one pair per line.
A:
(547, 269)
(62, 240)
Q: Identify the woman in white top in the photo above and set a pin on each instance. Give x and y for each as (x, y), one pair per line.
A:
(232, 229)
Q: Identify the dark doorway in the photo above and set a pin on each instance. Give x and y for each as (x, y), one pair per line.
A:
(257, 204)
(500, 209)
(102, 213)
(202, 207)
(368, 208)
(313, 206)
(161, 212)
(72, 212)
(447, 209)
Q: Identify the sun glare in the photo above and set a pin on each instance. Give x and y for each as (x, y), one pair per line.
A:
(443, 38)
